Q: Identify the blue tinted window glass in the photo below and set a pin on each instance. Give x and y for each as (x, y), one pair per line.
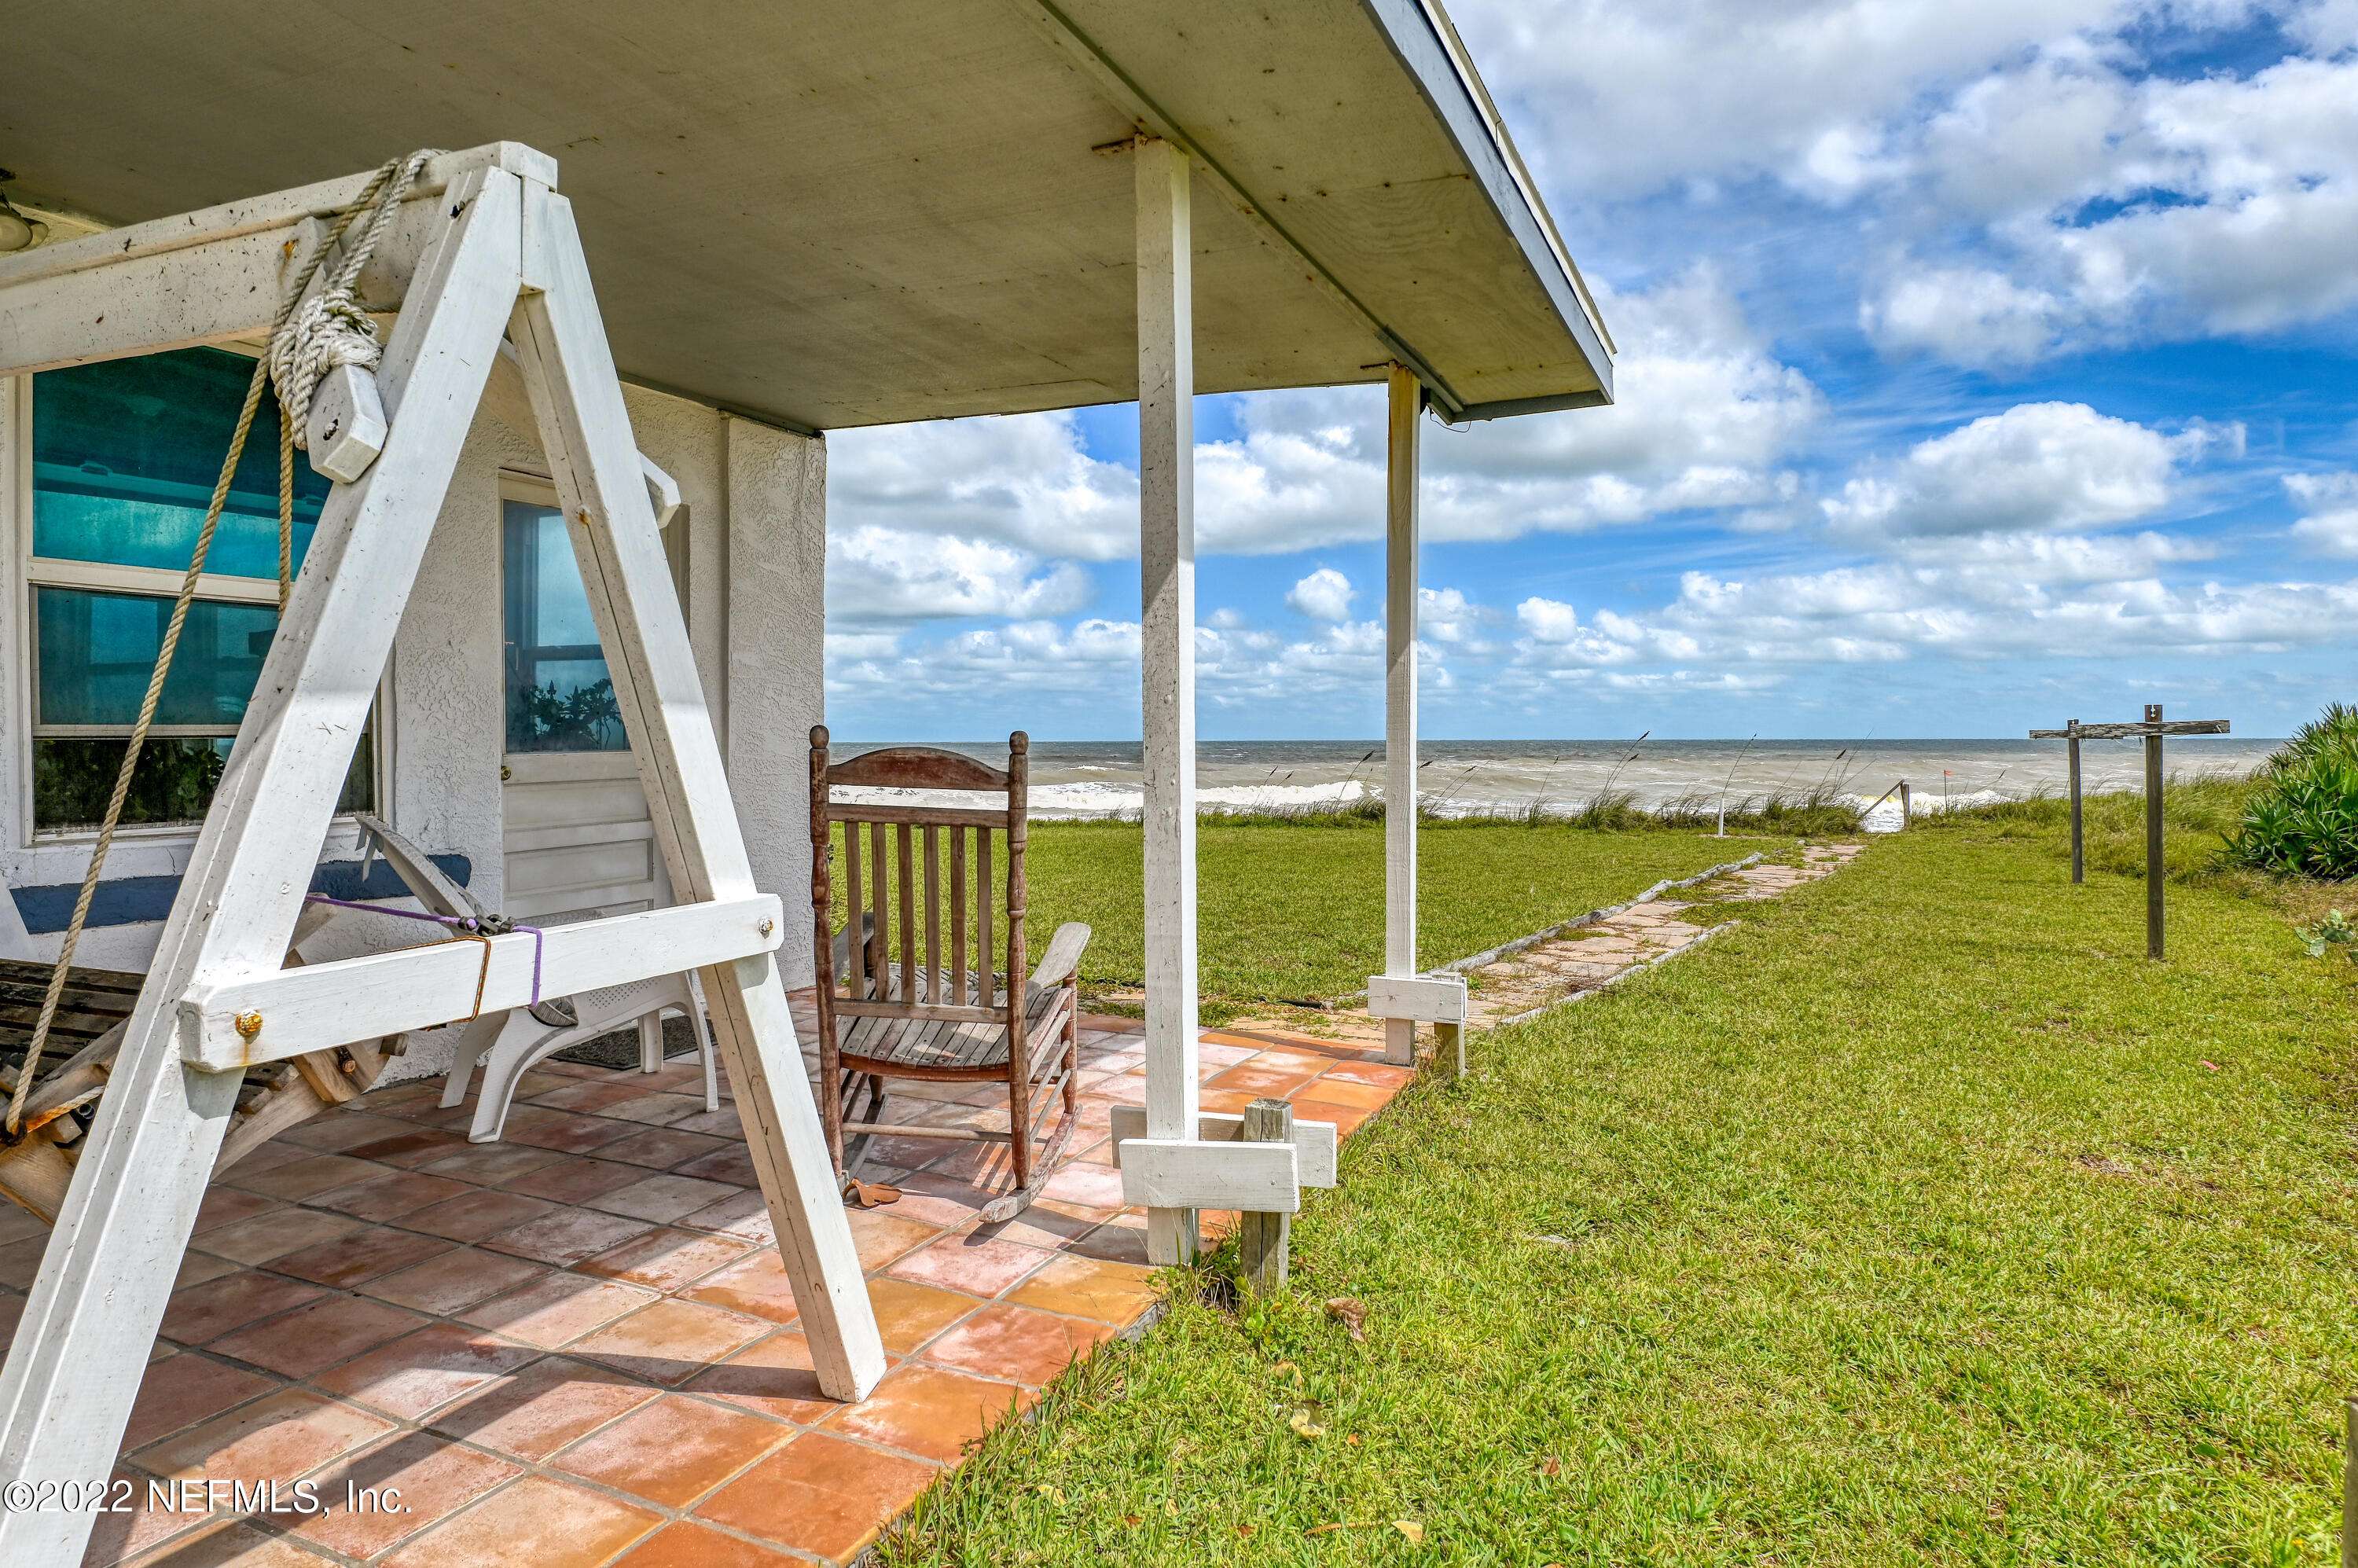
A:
(126, 453)
(560, 697)
(96, 652)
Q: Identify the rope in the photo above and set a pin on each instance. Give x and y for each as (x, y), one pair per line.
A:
(382, 193)
(329, 329)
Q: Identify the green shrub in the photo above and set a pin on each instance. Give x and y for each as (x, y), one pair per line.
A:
(2303, 817)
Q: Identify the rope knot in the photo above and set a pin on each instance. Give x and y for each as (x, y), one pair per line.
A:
(331, 329)
(327, 331)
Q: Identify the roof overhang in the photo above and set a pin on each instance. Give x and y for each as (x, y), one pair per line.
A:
(837, 215)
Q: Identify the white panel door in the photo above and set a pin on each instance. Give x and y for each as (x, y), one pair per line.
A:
(576, 835)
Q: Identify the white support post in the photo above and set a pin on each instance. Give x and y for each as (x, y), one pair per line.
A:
(576, 399)
(1167, 522)
(1406, 399)
(83, 1342)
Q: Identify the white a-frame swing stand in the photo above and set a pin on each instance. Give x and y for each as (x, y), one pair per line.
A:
(485, 262)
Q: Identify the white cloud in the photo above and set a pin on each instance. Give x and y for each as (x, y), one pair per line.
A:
(891, 574)
(2329, 501)
(2037, 467)
(2120, 209)
(1022, 480)
(1324, 595)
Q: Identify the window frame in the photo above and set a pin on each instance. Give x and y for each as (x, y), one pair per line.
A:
(532, 490)
(26, 574)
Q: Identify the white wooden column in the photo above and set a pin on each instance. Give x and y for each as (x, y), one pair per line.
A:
(1406, 400)
(1166, 537)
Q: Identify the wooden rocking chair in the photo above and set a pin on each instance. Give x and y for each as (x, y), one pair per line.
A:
(959, 1024)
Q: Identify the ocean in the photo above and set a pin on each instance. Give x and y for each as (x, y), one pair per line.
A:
(1094, 778)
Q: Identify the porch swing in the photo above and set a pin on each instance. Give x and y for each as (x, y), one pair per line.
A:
(488, 263)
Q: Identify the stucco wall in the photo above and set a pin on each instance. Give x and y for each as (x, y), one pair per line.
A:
(754, 507)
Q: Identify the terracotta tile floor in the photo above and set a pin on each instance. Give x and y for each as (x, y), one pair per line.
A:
(575, 1346)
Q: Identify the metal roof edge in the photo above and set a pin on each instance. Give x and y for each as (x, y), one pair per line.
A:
(1509, 407)
(1426, 44)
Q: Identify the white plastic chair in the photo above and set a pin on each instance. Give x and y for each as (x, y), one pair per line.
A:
(511, 1044)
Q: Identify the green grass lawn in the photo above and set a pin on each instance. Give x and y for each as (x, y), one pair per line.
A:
(1918, 1217)
(1291, 911)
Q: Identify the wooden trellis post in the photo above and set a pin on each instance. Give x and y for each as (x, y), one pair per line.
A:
(2151, 731)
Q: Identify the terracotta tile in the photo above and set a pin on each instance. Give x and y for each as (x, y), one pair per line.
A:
(671, 1341)
(453, 1282)
(690, 1545)
(562, 1131)
(577, 1179)
(744, 1214)
(1097, 1185)
(755, 1285)
(1016, 1344)
(1377, 1073)
(229, 1543)
(419, 1146)
(933, 1201)
(273, 1155)
(338, 1131)
(927, 1411)
(773, 1377)
(1333, 1090)
(12, 1307)
(425, 1370)
(665, 1259)
(197, 1267)
(672, 1451)
(389, 1197)
(537, 1409)
(349, 1259)
(19, 1225)
(535, 1520)
(207, 1311)
(722, 1123)
(663, 1198)
(561, 1308)
(1115, 1242)
(660, 1108)
(566, 1236)
(493, 1165)
(660, 1148)
(299, 1179)
(1259, 1080)
(978, 1267)
(1232, 1101)
(1127, 1088)
(281, 1436)
(260, 1239)
(180, 1390)
(477, 1215)
(316, 1336)
(1347, 1118)
(435, 1478)
(820, 1494)
(1088, 1287)
(587, 1096)
(131, 1535)
(908, 1314)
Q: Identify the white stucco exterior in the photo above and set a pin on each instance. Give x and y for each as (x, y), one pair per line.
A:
(750, 547)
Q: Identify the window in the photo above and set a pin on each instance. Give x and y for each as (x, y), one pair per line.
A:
(125, 456)
(559, 694)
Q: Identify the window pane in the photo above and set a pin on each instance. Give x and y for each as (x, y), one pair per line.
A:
(559, 694)
(96, 651)
(73, 775)
(126, 453)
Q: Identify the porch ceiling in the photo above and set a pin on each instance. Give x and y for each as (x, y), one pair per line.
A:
(834, 213)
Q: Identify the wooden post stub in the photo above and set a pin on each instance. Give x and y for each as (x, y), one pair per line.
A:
(2078, 840)
(1262, 1238)
(1907, 803)
(2153, 833)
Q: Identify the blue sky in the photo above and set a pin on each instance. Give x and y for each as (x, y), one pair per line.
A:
(1980, 367)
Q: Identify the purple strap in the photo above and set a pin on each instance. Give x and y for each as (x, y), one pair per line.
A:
(467, 924)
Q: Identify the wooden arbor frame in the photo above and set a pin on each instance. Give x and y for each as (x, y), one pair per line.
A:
(482, 258)
(944, 1022)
